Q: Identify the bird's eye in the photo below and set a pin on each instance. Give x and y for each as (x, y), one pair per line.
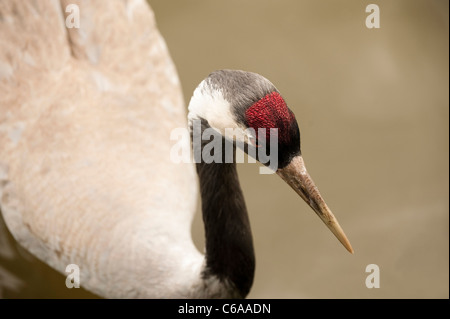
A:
(254, 141)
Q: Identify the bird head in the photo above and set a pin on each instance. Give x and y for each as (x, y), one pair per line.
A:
(247, 109)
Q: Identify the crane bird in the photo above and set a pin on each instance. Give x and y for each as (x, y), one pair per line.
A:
(85, 174)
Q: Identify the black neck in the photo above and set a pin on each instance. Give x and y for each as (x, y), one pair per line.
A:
(229, 244)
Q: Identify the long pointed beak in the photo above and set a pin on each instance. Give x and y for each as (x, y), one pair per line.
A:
(297, 177)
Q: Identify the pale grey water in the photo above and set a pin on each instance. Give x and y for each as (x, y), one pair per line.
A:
(372, 106)
(373, 109)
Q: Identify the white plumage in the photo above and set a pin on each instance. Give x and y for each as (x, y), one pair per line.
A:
(85, 118)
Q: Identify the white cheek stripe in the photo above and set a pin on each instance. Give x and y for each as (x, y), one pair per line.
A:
(209, 104)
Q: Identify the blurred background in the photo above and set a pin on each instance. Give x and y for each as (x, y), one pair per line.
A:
(373, 110)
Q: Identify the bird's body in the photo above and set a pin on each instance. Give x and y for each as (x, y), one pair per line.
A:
(75, 185)
(85, 171)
